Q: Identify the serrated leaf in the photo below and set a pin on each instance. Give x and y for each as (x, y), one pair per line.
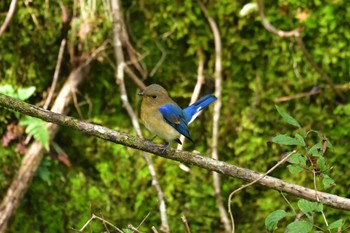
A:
(294, 158)
(285, 140)
(300, 139)
(308, 207)
(25, 92)
(287, 117)
(299, 227)
(273, 218)
(316, 150)
(297, 158)
(327, 182)
(321, 164)
(295, 169)
(336, 224)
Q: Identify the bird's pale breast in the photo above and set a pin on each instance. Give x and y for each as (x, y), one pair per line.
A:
(154, 122)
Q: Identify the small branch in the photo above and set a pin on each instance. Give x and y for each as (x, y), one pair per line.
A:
(8, 16)
(271, 28)
(102, 220)
(323, 75)
(251, 183)
(131, 227)
(161, 60)
(185, 223)
(297, 96)
(154, 229)
(181, 156)
(55, 76)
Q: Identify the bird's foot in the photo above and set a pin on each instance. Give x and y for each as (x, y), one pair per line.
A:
(166, 147)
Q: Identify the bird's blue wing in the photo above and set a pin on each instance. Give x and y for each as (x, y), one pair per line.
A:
(192, 111)
(174, 116)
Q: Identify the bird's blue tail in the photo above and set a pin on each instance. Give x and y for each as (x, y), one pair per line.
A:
(192, 111)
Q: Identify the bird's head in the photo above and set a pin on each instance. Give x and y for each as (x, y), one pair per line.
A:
(155, 94)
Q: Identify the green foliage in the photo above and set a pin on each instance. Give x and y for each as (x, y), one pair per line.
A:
(21, 93)
(302, 162)
(272, 220)
(312, 159)
(113, 181)
(36, 128)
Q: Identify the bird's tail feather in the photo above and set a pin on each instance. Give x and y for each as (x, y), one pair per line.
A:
(192, 111)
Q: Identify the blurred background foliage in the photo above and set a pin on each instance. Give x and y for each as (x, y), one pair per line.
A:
(113, 181)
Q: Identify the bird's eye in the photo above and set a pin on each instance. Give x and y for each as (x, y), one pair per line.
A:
(154, 96)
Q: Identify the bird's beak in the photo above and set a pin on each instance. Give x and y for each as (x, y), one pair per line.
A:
(141, 93)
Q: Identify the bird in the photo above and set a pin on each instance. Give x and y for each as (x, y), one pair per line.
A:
(164, 118)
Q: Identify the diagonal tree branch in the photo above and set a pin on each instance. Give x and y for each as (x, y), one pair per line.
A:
(181, 156)
(33, 157)
(8, 16)
(296, 34)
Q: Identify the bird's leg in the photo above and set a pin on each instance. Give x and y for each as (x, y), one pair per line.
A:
(151, 140)
(166, 147)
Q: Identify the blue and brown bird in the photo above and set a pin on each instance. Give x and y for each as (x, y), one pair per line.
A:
(164, 118)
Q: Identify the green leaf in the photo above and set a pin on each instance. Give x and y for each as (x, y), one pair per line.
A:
(287, 117)
(336, 224)
(44, 172)
(300, 139)
(8, 90)
(321, 164)
(273, 218)
(25, 92)
(285, 140)
(316, 150)
(308, 207)
(36, 128)
(299, 227)
(327, 182)
(295, 169)
(297, 158)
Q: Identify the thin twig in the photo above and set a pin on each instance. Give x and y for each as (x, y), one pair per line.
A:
(9, 16)
(131, 227)
(318, 69)
(102, 220)
(297, 96)
(118, 50)
(54, 82)
(253, 182)
(271, 28)
(161, 60)
(185, 223)
(32, 15)
(144, 219)
(315, 188)
(55, 75)
(154, 229)
(216, 115)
